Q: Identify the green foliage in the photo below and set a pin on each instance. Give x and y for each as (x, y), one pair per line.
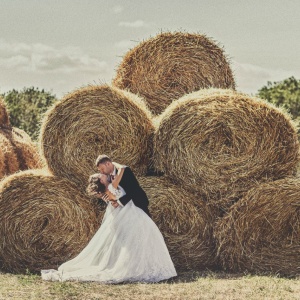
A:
(285, 93)
(27, 107)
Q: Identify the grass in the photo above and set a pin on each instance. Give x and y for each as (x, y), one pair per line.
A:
(189, 285)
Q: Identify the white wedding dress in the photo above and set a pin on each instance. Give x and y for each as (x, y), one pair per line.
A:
(128, 247)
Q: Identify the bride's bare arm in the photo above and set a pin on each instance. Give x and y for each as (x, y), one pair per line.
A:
(118, 178)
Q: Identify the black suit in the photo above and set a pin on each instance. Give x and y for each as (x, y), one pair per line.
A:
(133, 191)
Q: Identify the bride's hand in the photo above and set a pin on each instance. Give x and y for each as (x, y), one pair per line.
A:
(114, 203)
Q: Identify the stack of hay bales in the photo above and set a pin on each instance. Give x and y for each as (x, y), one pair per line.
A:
(46, 216)
(44, 221)
(17, 151)
(220, 143)
(170, 65)
(231, 148)
(161, 70)
(104, 119)
(227, 194)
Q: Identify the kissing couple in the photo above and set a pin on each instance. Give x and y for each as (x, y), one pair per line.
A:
(128, 246)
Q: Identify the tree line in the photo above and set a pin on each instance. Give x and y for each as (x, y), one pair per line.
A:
(27, 107)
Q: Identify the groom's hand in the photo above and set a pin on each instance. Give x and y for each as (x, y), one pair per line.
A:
(108, 197)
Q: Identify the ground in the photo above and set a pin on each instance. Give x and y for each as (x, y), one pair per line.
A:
(188, 285)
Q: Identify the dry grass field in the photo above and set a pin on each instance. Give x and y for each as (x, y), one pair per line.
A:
(190, 285)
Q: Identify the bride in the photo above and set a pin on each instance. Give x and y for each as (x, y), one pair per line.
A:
(128, 246)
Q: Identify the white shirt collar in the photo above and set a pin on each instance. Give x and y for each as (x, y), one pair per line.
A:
(114, 171)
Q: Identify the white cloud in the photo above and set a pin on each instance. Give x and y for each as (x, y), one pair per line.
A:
(250, 78)
(44, 58)
(135, 24)
(117, 9)
(125, 44)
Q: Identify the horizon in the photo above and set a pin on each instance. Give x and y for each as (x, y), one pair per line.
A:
(60, 46)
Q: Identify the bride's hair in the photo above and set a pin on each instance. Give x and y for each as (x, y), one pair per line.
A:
(95, 186)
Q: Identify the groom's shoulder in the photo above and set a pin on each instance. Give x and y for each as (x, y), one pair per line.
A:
(127, 169)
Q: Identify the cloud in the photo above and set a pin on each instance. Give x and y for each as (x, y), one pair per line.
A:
(43, 58)
(250, 78)
(117, 9)
(125, 44)
(135, 24)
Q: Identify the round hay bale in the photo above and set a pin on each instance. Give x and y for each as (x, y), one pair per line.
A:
(170, 65)
(185, 221)
(4, 118)
(9, 163)
(27, 150)
(221, 143)
(261, 232)
(44, 221)
(92, 121)
(18, 152)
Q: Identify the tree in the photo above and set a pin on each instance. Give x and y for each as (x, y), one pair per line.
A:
(26, 108)
(285, 93)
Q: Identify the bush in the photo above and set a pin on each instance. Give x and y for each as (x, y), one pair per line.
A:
(285, 93)
(26, 108)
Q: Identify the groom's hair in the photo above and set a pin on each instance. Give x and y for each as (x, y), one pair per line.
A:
(101, 159)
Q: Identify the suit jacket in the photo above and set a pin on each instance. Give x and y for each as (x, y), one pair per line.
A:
(133, 191)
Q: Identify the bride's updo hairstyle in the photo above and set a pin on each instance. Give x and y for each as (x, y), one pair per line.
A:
(95, 186)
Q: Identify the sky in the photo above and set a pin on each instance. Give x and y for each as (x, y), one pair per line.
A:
(63, 45)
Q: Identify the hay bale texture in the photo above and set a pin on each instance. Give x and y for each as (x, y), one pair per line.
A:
(185, 221)
(8, 156)
(261, 232)
(170, 65)
(92, 121)
(17, 151)
(44, 221)
(221, 143)
(4, 117)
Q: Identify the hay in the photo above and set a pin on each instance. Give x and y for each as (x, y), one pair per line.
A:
(92, 121)
(8, 158)
(185, 222)
(261, 232)
(4, 118)
(17, 152)
(44, 221)
(29, 157)
(221, 143)
(170, 65)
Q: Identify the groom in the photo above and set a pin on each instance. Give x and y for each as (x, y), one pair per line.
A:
(128, 182)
